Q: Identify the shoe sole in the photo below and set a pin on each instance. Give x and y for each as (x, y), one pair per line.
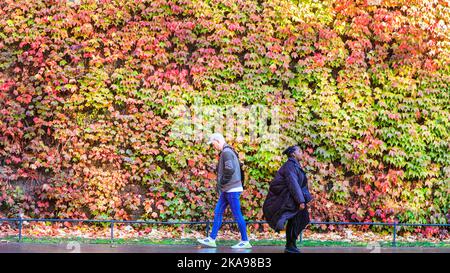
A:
(241, 247)
(206, 245)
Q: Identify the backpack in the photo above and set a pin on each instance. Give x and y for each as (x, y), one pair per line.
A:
(240, 164)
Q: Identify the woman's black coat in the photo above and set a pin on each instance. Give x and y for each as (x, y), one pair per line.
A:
(288, 189)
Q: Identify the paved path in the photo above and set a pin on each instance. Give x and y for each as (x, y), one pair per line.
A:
(13, 247)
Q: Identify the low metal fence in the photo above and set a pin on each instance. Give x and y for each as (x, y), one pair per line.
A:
(395, 225)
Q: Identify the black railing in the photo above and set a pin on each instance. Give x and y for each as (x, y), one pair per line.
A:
(395, 225)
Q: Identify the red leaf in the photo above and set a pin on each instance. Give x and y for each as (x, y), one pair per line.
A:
(191, 162)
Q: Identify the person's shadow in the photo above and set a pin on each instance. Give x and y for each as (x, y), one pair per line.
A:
(222, 250)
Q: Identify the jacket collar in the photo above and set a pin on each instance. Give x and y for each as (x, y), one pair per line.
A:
(295, 162)
(223, 148)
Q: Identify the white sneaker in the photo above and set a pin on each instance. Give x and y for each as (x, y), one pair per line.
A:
(207, 242)
(242, 244)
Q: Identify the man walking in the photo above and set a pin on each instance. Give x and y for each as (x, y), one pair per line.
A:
(229, 187)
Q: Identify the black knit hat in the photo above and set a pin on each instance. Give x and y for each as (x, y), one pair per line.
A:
(289, 150)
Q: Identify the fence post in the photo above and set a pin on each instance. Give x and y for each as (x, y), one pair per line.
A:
(20, 226)
(207, 228)
(112, 231)
(394, 243)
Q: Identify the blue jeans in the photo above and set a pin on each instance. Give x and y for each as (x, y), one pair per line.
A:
(232, 199)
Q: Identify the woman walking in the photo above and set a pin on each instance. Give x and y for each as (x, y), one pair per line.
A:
(288, 198)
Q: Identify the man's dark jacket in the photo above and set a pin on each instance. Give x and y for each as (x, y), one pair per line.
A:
(287, 190)
(228, 170)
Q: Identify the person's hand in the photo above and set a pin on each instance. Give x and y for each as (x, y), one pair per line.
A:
(302, 206)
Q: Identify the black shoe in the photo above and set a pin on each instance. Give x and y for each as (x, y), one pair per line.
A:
(291, 249)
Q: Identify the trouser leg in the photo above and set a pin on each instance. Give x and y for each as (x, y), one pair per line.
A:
(295, 226)
(218, 215)
(290, 239)
(237, 214)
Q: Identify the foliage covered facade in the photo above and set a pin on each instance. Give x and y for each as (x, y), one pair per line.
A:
(86, 92)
